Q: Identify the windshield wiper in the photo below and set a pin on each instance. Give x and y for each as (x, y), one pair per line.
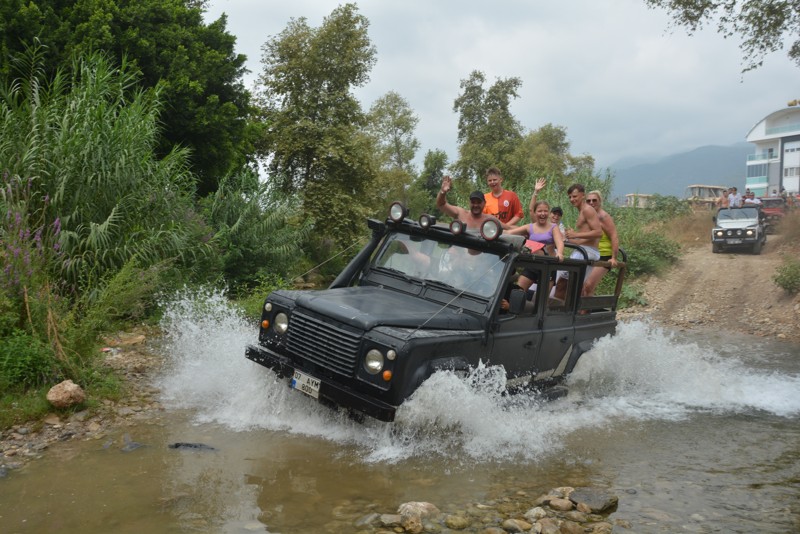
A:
(401, 274)
(440, 284)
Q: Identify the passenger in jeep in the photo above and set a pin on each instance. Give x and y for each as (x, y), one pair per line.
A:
(473, 217)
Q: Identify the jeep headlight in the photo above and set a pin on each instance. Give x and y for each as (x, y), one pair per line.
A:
(719, 233)
(750, 233)
(281, 324)
(373, 361)
(738, 232)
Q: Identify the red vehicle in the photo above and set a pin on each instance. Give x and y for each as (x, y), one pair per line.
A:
(774, 208)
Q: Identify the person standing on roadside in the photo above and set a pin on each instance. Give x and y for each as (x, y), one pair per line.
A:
(501, 203)
(608, 245)
(473, 217)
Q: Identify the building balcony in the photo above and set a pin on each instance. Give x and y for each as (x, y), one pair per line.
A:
(761, 157)
(783, 129)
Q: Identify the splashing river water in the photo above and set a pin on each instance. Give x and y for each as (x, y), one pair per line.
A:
(695, 432)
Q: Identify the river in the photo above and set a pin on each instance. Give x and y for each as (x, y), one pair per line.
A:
(695, 432)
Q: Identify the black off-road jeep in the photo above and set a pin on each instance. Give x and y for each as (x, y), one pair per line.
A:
(422, 297)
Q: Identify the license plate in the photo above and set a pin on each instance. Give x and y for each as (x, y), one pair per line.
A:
(305, 384)
(734, 241)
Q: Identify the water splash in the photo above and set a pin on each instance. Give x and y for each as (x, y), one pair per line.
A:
(640, 373)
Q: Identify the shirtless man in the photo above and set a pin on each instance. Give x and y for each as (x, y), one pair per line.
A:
(473, 217)
(588, 230)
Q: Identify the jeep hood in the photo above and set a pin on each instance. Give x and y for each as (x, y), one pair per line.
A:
(368, 307)
(736, 223)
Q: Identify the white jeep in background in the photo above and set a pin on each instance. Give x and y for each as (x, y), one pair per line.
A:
(739, 228)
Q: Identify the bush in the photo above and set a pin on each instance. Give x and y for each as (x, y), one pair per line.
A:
(787, 276)
(25, 361)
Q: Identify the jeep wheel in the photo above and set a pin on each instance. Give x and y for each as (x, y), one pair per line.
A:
(757, 247)
(715, 248)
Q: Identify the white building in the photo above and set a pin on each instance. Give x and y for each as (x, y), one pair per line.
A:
(776, 162)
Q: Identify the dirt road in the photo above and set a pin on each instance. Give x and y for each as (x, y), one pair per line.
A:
(730, 291)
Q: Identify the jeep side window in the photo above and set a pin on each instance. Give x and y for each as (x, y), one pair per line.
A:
(529, 296)
(562, 297)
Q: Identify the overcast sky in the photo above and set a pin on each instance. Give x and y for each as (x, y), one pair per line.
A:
(612, 72)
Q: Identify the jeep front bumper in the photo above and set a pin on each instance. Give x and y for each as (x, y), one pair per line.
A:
(329, 391)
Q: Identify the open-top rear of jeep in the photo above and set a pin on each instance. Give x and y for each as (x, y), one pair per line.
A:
(422, 297)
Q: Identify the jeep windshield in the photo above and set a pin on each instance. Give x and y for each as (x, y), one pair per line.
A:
(445, 265)
(772, 202)
(735, 214)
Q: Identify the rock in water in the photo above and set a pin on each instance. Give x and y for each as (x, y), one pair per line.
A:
(191, 446)
(130, 445)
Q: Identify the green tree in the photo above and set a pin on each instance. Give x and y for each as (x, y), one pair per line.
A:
(545, 153)
(314, 136)
(488, 133)
(763, 26)
(206, 106)
(392, 122)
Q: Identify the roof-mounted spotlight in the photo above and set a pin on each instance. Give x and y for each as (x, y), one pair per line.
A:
(458, 227)
(426, 221)
(491, 229)
(397, 212)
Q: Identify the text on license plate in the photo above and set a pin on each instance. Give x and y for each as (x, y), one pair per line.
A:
(306, 384)
(734, 241)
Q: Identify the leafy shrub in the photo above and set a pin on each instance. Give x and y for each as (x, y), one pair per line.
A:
(25, 361)
(787, 276)
(251, 302)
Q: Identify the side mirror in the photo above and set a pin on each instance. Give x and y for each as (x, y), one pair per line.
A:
(714, 218)
(516, 301)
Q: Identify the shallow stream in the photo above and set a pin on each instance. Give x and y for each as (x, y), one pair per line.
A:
(693, 432)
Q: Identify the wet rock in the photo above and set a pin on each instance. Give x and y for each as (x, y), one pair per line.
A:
(457, 522)
(390, 520)
(367, 520)
(570, 527)
(562, 505)
(3, 471)
(191, 446)
(66, 394)
(599, 501)
(534, 514)
(129, 444)
(412, 514)
(516, 525)
(546, 525)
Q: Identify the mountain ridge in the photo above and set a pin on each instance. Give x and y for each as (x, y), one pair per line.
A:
(669, 175)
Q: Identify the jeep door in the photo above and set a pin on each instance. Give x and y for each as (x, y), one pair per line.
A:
(516, 337)
(558, 320)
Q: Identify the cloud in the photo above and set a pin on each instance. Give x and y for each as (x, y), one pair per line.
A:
(612, 73)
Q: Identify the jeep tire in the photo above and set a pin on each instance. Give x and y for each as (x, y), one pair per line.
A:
(757, 247)
(715, 248)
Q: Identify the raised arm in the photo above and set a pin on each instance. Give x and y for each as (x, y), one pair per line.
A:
(540, 183)
(441, 199)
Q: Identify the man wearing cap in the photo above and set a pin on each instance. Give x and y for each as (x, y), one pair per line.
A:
(501, 203)
(473, 217)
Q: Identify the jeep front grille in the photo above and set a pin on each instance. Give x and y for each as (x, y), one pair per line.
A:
(326, 345)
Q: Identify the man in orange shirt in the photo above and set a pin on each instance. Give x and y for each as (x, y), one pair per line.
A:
(501, 203)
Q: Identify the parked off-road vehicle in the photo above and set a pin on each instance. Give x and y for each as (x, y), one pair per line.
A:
(422, 297)
(774, 209)
(739, 228)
